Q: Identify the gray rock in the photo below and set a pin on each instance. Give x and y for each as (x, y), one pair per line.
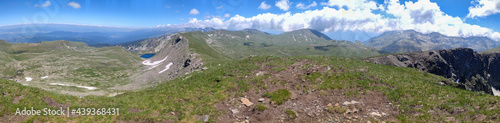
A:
(235, 111)
(262, 99)
(205, 118)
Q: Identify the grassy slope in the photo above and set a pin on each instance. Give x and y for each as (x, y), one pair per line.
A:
(494, 50)
(198, 45)
(197, 95)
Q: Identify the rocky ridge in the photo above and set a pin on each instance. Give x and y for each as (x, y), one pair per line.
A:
(473, 71)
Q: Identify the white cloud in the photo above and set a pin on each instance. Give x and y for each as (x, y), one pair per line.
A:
(283, 4)
(219, 7)
(74, 5)
(484, 8)
(264, 6)
(44, 4)
(194, 12)
(227, 15)
(353, 4)
(423, 16)
(207, 17)
(302, 6)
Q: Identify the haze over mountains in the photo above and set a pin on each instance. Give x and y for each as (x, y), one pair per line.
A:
(92, 35)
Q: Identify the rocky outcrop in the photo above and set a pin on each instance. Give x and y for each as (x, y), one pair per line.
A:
(474, 71)
(150, 45)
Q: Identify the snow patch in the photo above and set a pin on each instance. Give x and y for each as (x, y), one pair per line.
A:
(149, 63)
(28, 79)
(152, 67)
(44, 77)
(166, 67)
(86, 87)
(495, 91)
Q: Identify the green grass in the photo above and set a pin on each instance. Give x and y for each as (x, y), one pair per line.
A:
(261, 107)
(198, 94)
(291, 114)
(336, 109)
(197, 44)
(279, 96)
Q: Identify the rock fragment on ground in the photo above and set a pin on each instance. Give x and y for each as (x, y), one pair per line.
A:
(262, 99)
(246, 102)
(205, 118)
(235, 111)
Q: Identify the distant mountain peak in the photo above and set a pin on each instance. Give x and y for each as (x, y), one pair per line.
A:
(314, 32)
(249, 30)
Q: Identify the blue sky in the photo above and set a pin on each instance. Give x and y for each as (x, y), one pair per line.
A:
(450, 17)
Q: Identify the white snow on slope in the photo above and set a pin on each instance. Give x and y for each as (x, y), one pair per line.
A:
(495, 91)
(86, 87)
(149, 63)
(166, 67)
(44, 77)
(28, 79)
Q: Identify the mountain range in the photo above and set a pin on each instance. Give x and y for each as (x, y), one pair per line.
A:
(413, 41)
(92, 35)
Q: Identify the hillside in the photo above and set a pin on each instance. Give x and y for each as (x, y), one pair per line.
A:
(68, 67)
(241, 44)
(412, 41)
(306, 89)
(493, 50)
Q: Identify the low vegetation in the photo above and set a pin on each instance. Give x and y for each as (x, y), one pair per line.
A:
(414, 96)
(279, 96)
(291, 114)
(261, 107)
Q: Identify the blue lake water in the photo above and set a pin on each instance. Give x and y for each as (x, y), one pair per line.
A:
(147, 56)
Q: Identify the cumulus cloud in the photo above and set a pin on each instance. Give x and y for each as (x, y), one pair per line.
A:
(227, 15)
(74, 5)
(423, 16)
(194, 12)
(219, 7)
(353, 4)
(283, 4)
(264, 6)
(484, 8)
(44, 4)
(303, 6)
